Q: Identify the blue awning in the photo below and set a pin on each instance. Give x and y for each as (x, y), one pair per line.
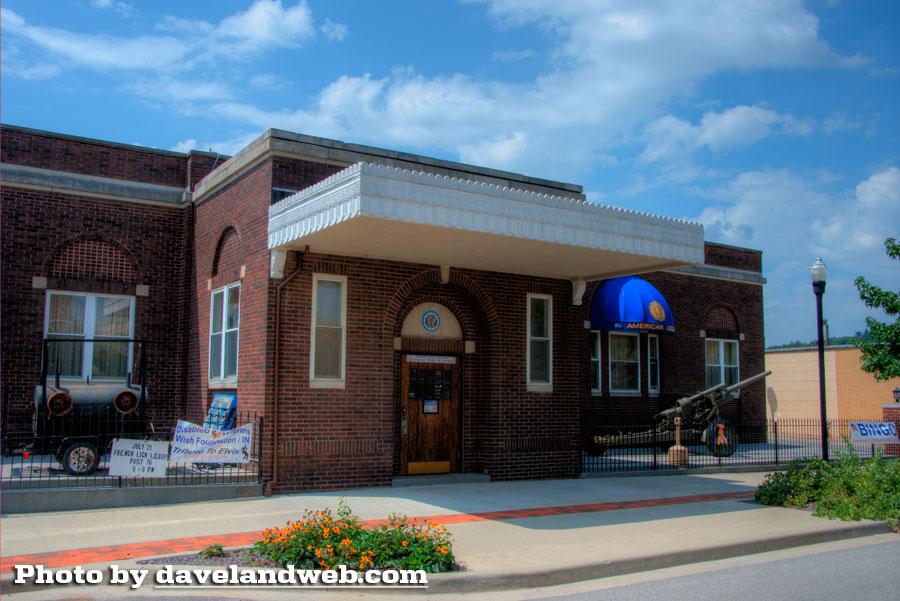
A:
(630, 304)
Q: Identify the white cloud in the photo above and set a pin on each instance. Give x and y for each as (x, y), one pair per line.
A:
(671, 138)
(268, 23)
(617, 62)
(126, 9)
(185, 145)
(99, 51)
(794, 221)
(334, 31)
(264, 25)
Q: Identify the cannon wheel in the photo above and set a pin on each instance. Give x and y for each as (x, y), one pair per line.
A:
(731, 436)
(81, 458)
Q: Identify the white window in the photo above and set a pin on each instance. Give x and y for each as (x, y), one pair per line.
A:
(105, 318)
(329, 333)
(653, 363)
(721, 362)
(540, 346)
(595, 361)
(624, 363)
(224, 327)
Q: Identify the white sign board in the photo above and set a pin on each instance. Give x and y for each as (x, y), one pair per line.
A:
(193, 443)
(138, 457)
(874, 432)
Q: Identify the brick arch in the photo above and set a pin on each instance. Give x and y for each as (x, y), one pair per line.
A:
(92, 257)
(721, 317)
(229, 249)
(407, 296)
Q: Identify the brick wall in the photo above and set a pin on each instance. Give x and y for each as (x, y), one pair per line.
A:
(723, 255)
(92, 245)
(349, 437)
(890, 412)
(682, 354)
(859, 395)
(45, 150)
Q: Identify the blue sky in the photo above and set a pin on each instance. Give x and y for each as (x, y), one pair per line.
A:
(775, 123)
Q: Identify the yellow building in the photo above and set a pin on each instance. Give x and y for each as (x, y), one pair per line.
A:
(792, 391)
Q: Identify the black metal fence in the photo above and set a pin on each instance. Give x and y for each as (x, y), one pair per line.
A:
(639, 447)
(73, 451)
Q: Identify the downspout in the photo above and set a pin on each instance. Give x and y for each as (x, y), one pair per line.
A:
(271, 484)
(186, 307)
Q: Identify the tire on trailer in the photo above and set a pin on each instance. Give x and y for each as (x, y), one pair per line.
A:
(719, 448)
(80, 458)
(593, 448)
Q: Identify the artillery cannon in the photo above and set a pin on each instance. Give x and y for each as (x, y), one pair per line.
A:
(701, 424)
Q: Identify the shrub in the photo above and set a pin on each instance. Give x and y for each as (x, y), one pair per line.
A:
(850, 489)
(324, 540)
(213, 550)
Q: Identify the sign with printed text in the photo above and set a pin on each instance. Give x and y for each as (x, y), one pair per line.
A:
(874, 432)
(193, 443)
(138, 457)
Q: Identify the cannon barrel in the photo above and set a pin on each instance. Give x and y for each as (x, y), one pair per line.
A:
(700, 395)
(747, 382)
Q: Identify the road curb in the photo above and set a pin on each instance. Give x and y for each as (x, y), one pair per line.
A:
(466, 582)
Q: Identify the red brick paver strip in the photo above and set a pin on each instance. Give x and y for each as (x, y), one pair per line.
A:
(58, 559)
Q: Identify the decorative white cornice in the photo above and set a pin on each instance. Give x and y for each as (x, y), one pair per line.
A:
(370, 190)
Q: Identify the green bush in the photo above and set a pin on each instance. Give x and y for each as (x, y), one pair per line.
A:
(850, 489)
(325, 540)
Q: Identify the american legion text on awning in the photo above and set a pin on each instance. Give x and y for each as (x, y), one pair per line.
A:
(387, 313)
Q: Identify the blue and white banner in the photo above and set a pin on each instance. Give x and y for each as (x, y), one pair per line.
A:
(193, 443)
(874, 432)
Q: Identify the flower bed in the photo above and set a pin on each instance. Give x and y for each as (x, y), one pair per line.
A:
(324, 540)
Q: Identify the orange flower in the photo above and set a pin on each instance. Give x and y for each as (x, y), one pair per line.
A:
(404, 543)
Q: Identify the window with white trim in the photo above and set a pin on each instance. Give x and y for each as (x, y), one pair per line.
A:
(653, 363)
(540, 346)
(105, 318)
(595, 362)
(329, 333)
(624, 362)
(721, 362)
(224, 329)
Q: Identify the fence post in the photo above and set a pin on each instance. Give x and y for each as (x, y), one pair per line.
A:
(259, 445)
(655, 449)
(775, 428)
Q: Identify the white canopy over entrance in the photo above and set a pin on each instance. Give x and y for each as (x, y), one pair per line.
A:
(385, 212)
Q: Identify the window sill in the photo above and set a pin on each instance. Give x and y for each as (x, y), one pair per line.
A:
(221, 384)
(539, 387)
(333, 384)
(625, 393)
(595, 392)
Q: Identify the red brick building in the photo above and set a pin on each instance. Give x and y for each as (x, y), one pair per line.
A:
(386, 313)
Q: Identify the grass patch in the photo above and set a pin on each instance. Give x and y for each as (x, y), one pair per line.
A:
(323, 540)
(849, 489)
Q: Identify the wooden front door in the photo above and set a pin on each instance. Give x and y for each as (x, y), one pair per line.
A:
(429, 407)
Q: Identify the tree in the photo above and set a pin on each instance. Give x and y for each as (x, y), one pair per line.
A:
(881, 353)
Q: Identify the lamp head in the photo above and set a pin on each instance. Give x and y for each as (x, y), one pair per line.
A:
(818, 271)
(897, 395)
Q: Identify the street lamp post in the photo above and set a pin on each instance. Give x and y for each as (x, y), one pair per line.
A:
(818, 272)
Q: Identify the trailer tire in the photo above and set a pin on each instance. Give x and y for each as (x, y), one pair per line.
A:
(80, 458)
(729, 446)
(594, 449)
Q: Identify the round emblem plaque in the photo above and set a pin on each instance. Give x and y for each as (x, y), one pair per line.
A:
(657, 311)
(431, 321)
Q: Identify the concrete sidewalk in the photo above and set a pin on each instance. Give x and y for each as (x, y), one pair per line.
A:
(508, 534)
